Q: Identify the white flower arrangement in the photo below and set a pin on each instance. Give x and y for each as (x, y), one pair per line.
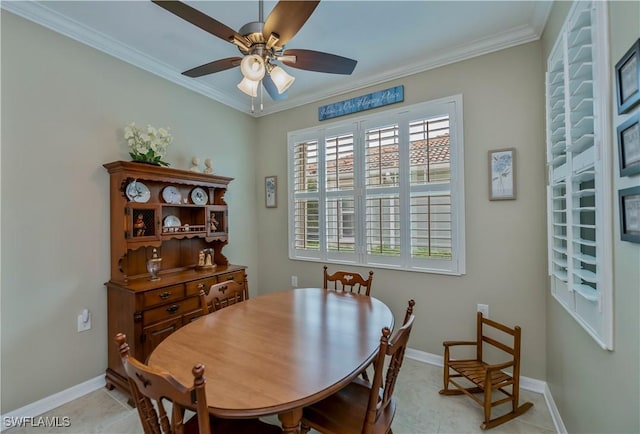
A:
(150, 145)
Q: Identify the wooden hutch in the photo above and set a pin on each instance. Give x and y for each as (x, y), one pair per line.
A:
(181, 217)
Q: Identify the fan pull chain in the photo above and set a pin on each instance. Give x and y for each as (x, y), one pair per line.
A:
(252, 107)
(261, 98)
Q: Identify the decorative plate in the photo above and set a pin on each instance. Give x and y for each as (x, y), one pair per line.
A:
(199, 196)
(171, 195)
(137, 192)
(172, 221)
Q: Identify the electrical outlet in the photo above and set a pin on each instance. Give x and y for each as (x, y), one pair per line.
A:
(84, 320)
(294, 281)
(484, 308)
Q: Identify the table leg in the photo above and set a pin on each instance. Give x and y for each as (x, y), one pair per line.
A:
(291, 421)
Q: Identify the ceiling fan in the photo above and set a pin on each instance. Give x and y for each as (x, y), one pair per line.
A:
(262, 44)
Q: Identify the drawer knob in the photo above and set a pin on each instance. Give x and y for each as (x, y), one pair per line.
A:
(173, 309)
(200, 285)
(165, 295)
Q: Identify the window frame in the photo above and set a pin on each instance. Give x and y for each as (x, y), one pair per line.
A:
(451, 106)
(579, 200)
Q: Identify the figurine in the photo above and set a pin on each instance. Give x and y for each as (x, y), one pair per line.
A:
(208, 168)
(213, 223)
(140, 226)
(195, 163)
(201, 258)
(208, 261)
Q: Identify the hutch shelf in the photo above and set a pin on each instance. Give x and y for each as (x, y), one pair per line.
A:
(182, 218)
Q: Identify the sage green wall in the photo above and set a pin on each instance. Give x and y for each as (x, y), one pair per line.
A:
(506, 258)
(598, 391)
(63, 108)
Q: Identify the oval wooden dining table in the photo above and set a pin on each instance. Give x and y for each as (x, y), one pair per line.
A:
(276, 353)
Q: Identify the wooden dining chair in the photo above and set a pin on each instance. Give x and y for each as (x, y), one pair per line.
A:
(151, 386)
(485, 378)
(348, 281)
(223, 294)
(361, 407)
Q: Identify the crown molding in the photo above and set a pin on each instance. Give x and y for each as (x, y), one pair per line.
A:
(39, 13)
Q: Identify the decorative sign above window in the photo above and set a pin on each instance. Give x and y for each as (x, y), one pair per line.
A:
(361, 103)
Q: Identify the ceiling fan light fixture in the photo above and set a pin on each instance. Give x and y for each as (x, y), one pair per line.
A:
(252, 67)
(250, 87)
(281, 79)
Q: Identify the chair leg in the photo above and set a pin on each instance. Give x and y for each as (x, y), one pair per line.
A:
(487, 402)
(445, 377)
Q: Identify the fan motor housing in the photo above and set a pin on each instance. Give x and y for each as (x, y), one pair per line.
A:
(253, 32)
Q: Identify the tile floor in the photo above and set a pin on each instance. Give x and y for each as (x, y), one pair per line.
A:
(421, 410)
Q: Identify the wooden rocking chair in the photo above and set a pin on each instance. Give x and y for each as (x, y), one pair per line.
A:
(487, 378)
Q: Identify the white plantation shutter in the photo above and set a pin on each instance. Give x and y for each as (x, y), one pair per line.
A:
(382, 183)
(431, 230)
(579, 204)
(383, 193)
(340, 194)
(306, 229)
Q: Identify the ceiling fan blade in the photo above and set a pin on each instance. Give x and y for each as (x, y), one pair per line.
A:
(286, 18)
(211, 67)
(272, 90)
(319, 61)
(197, 18)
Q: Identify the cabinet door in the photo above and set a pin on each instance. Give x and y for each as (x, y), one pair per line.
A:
(217, 221)
(154, 334)
(142, 223)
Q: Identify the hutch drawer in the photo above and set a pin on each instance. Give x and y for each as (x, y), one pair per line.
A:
(193, 288)
(171, 309)
(162, 295)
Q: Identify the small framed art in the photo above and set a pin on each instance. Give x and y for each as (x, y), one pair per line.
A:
(629, 145)
(502, 174)
(630, 214)
(271, 191)
(628, 79)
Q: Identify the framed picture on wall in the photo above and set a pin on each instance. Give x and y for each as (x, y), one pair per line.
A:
(271, 191)
(502, 174)
(630, 214)
(629, 145)
(628, 79)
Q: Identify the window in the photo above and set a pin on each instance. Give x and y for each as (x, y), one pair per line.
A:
(579, 199)
(383, 190)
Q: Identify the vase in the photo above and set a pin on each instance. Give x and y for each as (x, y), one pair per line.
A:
(153, 265)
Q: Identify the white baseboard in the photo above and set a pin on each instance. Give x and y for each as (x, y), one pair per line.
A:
(526, 383)
(555, 414)
(53, 401)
